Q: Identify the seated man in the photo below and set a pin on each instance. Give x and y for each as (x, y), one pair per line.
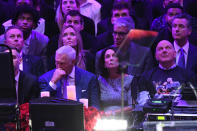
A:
(158, 79)
(30, 64)
(26, 84)
(35, 43)
(65, 74)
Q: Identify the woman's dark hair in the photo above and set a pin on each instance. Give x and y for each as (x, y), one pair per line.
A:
(103, 71)
(173, 5)
(21, 9)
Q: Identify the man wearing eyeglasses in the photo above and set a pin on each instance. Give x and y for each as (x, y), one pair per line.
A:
(136, 57)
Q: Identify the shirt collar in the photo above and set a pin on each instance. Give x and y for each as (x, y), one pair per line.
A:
(172, 67)
(17, 76)
(185, 47)
(27, 41)
(72, 74)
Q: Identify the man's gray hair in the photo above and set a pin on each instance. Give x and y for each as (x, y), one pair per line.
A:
(125, 21)
(67, 50)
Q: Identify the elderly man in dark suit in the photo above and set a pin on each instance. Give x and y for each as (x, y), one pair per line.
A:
(67, 74)
(26, 84)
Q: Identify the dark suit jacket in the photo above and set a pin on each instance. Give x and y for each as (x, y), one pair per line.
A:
(2, 30)
(33, 65)
(191, 60)
(85, 82)
(37, 46)
(104, 25)
(27, 87)
(89, 26)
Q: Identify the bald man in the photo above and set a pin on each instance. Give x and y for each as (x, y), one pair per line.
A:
(166, 73)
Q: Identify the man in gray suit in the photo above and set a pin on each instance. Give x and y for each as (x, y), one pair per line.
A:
(138, 58)
(35, 43)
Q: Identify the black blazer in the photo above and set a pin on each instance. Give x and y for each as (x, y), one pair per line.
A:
(27, 87)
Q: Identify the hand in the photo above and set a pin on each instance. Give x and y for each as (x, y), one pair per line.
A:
(57, 75)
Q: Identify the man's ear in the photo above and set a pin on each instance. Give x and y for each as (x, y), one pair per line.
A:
(112, 20)
(74, 62)
(156, 56)
(190, 31)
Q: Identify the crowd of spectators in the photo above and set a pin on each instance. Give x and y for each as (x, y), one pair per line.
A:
(87, 41)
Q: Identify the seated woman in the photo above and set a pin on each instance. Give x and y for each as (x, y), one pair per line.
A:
(110, 84)
(70, 36)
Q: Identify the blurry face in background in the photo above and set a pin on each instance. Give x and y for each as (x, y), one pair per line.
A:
(180, 29)
(68, 5)
(25, 21)
(111, 61)
(119, 34)
(171, 13)
(167, 2)
(75, 21)
(14, 38)
(22, 2)
(69, 37)
(119, 13)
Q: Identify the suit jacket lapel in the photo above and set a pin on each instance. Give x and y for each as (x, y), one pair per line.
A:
(78, 83)
(189, 57)
(21, 88)
(59, 89)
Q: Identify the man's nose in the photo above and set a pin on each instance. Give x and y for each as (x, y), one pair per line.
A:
(24, 21)
(15, 38)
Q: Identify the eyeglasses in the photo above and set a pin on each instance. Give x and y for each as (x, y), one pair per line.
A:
(119, 33)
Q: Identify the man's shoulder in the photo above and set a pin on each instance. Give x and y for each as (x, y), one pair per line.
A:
(47, 74)
(193, 47)
(84, 73)
(41, 37)
(94, 3)
(28, 77)
(148, 73)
